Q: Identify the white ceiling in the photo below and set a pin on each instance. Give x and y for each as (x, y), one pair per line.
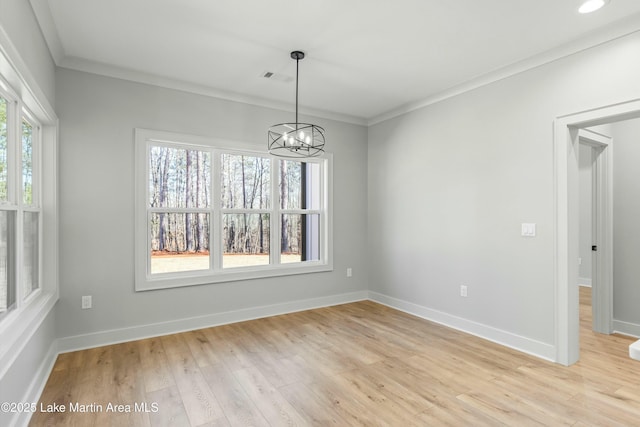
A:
(366, 59)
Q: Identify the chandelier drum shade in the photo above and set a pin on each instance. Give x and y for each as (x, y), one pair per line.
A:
(295, 139)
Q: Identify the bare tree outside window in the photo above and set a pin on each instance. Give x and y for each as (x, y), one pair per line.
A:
(262, 212)
(245, 200)
(179, 195)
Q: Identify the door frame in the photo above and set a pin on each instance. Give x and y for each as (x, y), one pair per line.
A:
(566, 216)
(602, 270)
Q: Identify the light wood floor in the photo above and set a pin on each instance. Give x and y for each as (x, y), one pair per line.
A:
(354, 364)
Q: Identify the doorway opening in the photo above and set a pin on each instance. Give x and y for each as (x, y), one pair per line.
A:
(567, 130)
(596, 223)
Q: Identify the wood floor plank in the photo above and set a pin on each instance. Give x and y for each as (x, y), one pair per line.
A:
(128, 380)
(170, 410)
(227, 348)
(273, 406)
(451, 412)
(202, 348)
(316, 410)
(237, 406)
(155, 366)
(375, 404)
(199, 401)
(390, 396)
(350, 406)
(358, 364)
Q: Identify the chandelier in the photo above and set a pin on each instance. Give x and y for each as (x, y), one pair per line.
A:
(296, 139)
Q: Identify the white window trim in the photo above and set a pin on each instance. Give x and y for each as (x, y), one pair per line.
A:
(15, 200)
(144, 281)
(19, 325)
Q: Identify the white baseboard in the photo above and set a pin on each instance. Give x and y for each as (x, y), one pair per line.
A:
(634, 350)
(78, 342)
(626, 328)
(37, 385)
(526, 345)
(114, 336)
(583, 281)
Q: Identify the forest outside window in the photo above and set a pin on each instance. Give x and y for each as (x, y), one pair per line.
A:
(209, 212)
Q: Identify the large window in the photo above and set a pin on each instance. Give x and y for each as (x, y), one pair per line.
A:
(20, 229)
(209, 211)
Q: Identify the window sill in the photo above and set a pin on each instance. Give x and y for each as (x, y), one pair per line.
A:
(20, 325)
(166, 281)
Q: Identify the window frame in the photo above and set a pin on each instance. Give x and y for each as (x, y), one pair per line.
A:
(18, 327)
(144, 280)
(17, 113)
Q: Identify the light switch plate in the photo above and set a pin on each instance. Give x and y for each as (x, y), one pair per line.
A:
(528, 230)
(87, 302)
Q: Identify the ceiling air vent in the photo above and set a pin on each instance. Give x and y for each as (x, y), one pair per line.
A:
(277, 77)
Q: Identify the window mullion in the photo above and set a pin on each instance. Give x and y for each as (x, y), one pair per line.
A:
(275, 220)
(13, 144)
(215, 230)
(15, 139)
(301, 211)
(178, 210)
(227, 167)
(246, 211)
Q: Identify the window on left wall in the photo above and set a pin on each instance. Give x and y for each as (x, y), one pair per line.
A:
(20, 205)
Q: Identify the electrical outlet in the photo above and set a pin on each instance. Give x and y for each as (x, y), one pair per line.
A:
(349, 272)
(463, 291)
(86, 302)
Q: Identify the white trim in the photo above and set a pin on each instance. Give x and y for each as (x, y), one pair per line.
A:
(566, 219)
(526, 345)
(626, 328)
(115, 336)
(36, 387)
(18, 328)
(584, 282)
(634, 350)
(107, 70)
(613, 31)
(48, 27)
(609, 33)
(19, 77)
(145, 281)
(17, 333)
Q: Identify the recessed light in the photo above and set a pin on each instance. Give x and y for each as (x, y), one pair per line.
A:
(588, 6)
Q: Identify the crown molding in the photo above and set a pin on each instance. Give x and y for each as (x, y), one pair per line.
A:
(48, 28)
(92, 67)
(617, 30)
(20, 79)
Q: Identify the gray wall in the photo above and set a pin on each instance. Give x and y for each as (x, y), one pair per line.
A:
(19, 23)
(97, 120)
(450, 184)
(585, 166)
(626, 224)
